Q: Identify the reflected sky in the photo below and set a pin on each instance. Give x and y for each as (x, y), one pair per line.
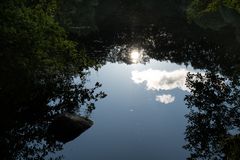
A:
(162, 80)
(135, 120)
(166, 98)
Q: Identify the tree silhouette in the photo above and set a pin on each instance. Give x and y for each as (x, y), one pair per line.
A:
(214, 115)
(38, 64)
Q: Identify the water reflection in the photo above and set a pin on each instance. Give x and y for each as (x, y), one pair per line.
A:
(128, 54)
(161, 79)
(165, 98)
(212, 99)
(213, 120)
(32, 126)
(165, 35)
(162, 34)
(136, 55)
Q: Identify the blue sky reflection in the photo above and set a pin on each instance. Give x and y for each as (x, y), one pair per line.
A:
(133, 115)
(162, 80)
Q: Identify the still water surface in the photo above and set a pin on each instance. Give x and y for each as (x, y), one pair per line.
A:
(169, 83)
(144, 114)
(141, 118)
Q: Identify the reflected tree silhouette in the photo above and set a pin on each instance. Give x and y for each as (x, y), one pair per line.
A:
(29, 110)
(213, 117)
(195, 48)
(38, 64)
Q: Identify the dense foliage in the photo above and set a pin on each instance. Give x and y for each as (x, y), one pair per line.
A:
(198, 8)
(38, 64)
(32, 41)
(213, 120)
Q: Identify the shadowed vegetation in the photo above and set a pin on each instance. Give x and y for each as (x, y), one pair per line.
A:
(213, 120)
(38, 64)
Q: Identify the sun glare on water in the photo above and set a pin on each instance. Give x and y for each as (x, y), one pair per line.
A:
(136, 55)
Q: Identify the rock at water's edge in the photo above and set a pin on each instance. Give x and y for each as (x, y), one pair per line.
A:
(66, 127)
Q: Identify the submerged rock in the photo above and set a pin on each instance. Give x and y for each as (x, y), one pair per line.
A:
(67, 127)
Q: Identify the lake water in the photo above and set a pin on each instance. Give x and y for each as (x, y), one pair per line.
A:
(141, 118)
(146, 51)
(172, 86)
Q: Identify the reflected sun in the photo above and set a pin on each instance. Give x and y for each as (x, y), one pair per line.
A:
(136, 55)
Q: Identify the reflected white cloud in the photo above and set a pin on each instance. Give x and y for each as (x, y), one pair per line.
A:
(166, 98)
(161, 79)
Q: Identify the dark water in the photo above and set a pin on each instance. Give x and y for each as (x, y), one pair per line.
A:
(172, 86)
